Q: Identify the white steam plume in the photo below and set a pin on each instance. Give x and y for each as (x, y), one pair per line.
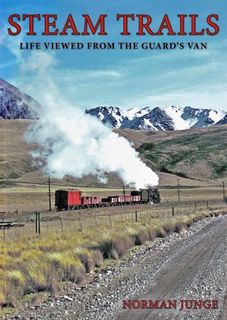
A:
(72, 142)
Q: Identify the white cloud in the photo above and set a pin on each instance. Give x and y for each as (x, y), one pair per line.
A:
(203, 99)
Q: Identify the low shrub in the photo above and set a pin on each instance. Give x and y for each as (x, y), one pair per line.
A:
(160, 233)
(179, 227)
(98, 258)
(116, 247)
(40, 263)
(141, 237)
(152, 234)
(66, 265)
(87, 258)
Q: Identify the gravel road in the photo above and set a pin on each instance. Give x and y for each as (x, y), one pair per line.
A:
(187, 266)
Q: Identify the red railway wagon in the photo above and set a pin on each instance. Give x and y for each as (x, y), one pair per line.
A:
(90, 201)
(112, 200)
(124, 199)
(128, 199)
(96, 201)
(136, 199)
(67, 199)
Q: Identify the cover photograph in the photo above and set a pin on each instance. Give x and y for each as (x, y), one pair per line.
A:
(113, 160)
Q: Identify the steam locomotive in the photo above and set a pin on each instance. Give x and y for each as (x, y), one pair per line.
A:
(73, 199)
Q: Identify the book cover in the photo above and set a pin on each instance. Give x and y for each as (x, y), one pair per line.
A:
(113, 163)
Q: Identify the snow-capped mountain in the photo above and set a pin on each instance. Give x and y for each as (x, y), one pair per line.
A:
(156, 118)
(14, 104)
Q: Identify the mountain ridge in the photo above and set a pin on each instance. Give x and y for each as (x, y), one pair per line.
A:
(15, 104)
(158, 118)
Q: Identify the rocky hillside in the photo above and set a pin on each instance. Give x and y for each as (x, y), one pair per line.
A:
(14, 104)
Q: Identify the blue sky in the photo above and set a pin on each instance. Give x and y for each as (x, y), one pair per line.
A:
(128, 78)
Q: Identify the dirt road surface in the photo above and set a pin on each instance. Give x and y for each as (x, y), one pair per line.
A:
(190, 266)
(185, 276)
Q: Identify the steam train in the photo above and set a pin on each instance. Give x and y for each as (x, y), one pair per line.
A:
(73, 199)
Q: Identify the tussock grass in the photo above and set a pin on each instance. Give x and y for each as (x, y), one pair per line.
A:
(34, 264)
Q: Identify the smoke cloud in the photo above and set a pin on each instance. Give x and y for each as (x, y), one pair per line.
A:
(70, 141)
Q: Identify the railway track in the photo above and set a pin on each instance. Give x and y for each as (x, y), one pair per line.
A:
(154, 209)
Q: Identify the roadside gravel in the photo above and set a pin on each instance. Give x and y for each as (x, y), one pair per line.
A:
(189, 265)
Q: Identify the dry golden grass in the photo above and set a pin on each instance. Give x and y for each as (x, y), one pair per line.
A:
(67, 249)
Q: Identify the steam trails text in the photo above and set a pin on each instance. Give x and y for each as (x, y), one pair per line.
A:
(139, 24)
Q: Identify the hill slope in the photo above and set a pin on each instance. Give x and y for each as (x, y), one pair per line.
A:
(198, 153)
(194, 153)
